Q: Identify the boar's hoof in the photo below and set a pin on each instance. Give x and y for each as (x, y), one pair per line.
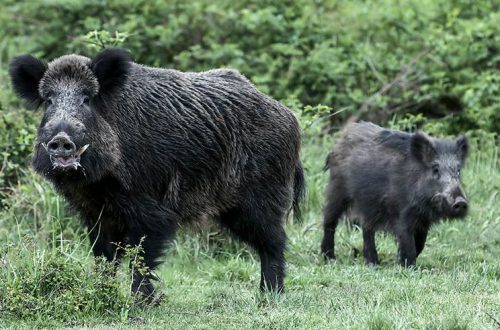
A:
(408, 263)
(145, 293)
(371, 263)
(328, 255)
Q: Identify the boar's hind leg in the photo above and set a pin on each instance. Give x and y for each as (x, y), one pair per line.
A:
(263, 231)
(151, 226)
(272, 259)
(336, 205)
(369, 248)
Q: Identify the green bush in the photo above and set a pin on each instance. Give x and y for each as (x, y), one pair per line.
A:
(55, 283)
(372, 58)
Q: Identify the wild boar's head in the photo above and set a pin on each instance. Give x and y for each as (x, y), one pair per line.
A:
(442, 162)
(75, 140)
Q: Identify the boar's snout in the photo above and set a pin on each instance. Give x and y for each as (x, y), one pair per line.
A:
(460, 206)
(457, 203)
(452, 203)
(61, 145)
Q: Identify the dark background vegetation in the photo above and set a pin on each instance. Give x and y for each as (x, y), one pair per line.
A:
(372, 58)
(404, 64)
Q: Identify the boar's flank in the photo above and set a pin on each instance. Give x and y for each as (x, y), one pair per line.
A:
(394, 181)
(137, 151)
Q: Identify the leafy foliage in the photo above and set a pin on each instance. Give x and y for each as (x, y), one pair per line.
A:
(375, 58)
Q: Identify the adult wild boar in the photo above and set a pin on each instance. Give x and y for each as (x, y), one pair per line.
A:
(394, 181)
(137, 151)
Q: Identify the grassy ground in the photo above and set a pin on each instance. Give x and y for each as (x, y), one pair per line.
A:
(48, 277)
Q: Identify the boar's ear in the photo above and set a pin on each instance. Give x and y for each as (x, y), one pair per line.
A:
(26, 72)
(111, 67)
(462, 147)
(422, 148)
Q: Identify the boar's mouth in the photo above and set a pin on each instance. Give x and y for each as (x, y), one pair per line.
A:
(66, 162)
(443, 206)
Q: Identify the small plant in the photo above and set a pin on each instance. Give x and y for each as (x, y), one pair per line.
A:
(97, 40)
(408, 123)
(58, 284)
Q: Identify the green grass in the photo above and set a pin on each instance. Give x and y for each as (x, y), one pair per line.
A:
(48, 277)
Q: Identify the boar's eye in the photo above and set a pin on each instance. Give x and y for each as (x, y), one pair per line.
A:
(49, 100)
(435, 171)
(86, 100)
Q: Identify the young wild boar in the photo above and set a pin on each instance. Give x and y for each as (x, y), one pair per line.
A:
(137, 151)
(393, 181)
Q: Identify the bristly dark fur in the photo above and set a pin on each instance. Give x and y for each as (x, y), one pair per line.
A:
(167, 147)
(394, 181)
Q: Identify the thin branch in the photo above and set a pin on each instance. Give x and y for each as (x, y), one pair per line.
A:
(403, 73)
(493, 318)
(374, 69)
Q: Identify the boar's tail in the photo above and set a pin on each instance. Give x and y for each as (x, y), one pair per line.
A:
(299, 191)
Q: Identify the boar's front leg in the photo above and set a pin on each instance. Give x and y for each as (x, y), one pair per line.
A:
(150, 226)
(404, 229)
(369, 248)
(405, 233)
(106, 237)
(420, 238)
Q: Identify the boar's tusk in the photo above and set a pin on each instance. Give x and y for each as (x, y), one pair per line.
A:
(44, 146)
(82, 150)
(152, 275)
